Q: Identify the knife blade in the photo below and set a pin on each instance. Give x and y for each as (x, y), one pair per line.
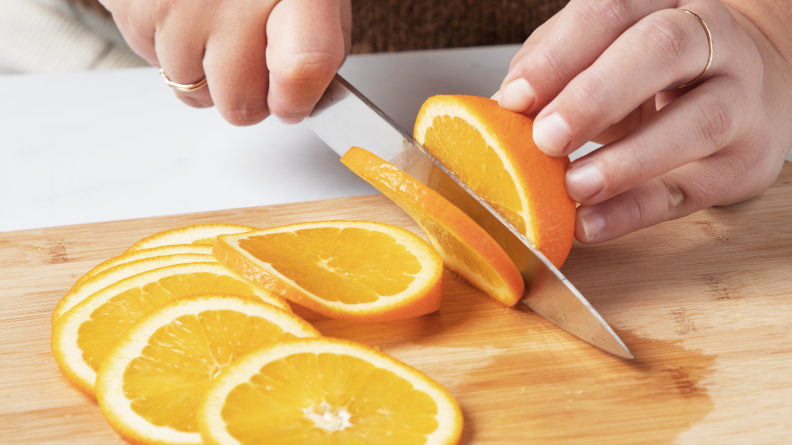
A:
(343, 118)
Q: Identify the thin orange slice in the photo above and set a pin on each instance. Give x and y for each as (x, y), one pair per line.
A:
(349, 270)
(492, 151)
(466, 248)
(323, 391)
(84, 336)
(151, 382)
(145, 253)
(82, 290)
(200, 234)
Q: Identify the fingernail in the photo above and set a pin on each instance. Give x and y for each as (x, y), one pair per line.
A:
(552, 134)
(592, 224)
(496, 96)
(517, 96)
(584, 182)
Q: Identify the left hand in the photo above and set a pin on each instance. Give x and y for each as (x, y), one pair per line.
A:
(605, 62)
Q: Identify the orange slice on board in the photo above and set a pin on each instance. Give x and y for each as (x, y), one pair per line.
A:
(323, 391)
(466, 248)
(201, 234)
(145, 253)
(492, 151)
(349, 270)
(84, 336)
(88, 287)
(150, 384)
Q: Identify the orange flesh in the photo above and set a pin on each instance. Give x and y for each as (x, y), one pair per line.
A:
(166, 383)
(328, 399)
(350, 265)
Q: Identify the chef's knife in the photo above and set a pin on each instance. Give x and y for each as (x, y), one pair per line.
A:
(344, 118)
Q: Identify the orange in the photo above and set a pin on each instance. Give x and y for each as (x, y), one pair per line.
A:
(150, 384)
(323, 391)
(200, 234)
(492, 151)
(84, 289)
(350, 270)
(466, 248)
(84, 336)
(145, 253)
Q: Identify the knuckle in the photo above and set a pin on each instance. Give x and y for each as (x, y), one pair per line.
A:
(310, 67)
(610, 13)
(675, 196)
(667, 39)
(713, 123)
(590, 91)
(548, 61)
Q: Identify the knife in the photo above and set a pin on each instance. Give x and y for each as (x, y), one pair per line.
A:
(343, 118)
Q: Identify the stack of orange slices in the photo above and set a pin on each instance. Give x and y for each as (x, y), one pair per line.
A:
(150, 333)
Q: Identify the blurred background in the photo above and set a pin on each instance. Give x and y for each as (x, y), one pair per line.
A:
(40, 36)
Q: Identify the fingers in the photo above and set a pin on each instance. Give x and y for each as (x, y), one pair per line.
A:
(584, 29)
(679, 193)
(179, 45)
(236, 66)
(690, 128)
(663, 50)
(308, 41)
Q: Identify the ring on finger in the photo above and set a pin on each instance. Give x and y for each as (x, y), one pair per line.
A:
(709, 42)
(182, 87)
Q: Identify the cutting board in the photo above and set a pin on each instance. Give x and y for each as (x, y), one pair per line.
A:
(704, 303)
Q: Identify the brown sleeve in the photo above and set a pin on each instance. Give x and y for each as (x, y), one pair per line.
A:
(403, 25)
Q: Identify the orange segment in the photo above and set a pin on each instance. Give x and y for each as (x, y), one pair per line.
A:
(492, 151)
(350, 270)
(466, 248)
(83, 337)
(151, 382)
(200, 234)
(323, 391)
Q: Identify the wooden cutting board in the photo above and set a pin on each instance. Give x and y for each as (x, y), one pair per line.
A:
(704, 303)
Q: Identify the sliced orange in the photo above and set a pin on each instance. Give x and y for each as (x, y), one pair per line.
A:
(145, 253)
(85, 289)
(466, 248)
(200, 234)
(323, 391)
(492, 151)
(84, 336)
(349, 270)
(150, 384)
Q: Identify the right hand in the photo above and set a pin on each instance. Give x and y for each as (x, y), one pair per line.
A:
(259, 57)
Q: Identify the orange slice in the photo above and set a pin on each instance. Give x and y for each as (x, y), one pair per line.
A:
(145, 253)
(466, 248)
(150, 384)
(492, 151)
(84, 336)
(201, 234)
(349, 270)
(323, 391)
(85, 289)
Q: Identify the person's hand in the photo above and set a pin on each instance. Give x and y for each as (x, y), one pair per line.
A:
(259, 57)
(603, 62)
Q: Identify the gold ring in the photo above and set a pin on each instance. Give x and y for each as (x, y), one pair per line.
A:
(709, 41)
(183, 87)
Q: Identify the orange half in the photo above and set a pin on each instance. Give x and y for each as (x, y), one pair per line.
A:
(465, 247)
(492, 151)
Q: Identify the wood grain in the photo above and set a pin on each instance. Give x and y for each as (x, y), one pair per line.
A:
(704, 302)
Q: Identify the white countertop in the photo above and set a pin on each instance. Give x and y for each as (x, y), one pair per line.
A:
(109, 145)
